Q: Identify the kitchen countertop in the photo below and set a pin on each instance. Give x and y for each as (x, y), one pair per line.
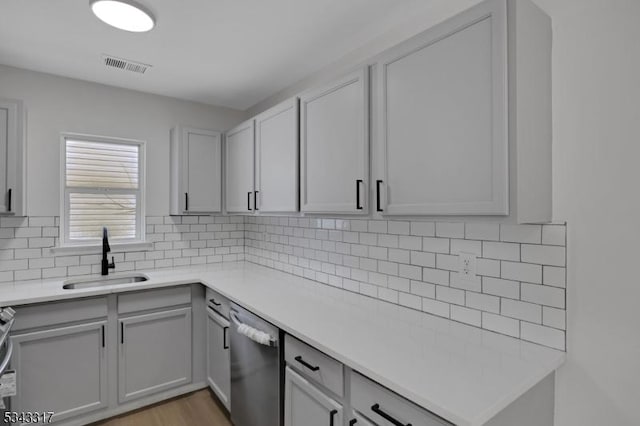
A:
(461, 373)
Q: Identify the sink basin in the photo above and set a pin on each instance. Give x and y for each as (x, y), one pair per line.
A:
(99, 282)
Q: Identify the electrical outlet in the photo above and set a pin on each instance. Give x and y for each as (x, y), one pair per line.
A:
(467, 266)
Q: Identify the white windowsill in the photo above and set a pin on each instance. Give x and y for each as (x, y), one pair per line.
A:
(97, 248)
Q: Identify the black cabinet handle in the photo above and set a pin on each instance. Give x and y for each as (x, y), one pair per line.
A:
(306, 364)
(353, 422)
(378, 208)
(122, 333)
(249, 201)
(103, 336)
(214, 302)
(332, 414)
(224, 338)
(358, 205)
(255, 200)
(376, 409)
(9, 200)
(186, 201)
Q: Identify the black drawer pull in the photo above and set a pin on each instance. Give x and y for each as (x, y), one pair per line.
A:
(103, 336)
(249, 201)
(122, 333)
(214, 302)
(9, 200)
(376, 409)
(306, 364)
(225, 345)
(186, 201)
(358, 205)
(332, 413)
(378, 183)
(353, 422)
(255, 200)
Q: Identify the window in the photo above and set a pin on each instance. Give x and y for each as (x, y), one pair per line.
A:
(103, 181)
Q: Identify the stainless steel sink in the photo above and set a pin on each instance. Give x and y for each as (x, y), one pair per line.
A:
(100, 282)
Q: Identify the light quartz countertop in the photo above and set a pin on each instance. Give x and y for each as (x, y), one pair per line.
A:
(461, 373)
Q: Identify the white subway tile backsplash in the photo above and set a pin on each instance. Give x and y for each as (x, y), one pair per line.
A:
(554, 235)
(436, 245)
(410, 263)
(436, 307)
(450, 229)
(521, 310)
(543, 335)
(466, 246)
(543, 295)
(553, 317)
(543, 255)
(500, 324)
(554, 276)
(521, 233)
(422, 258)
(500, 287)
(450, 295)
(521, 272)
(423, 289)
(424, 229)
(466, 315)
(483, 302)
(482, 231)
(501, 251)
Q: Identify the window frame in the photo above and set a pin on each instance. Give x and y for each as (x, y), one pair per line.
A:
(64, 240)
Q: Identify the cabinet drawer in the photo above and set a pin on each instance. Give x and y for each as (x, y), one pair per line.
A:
(314, 365)
(46, 314)
(154, 299)
(381, 405)
(218, 303)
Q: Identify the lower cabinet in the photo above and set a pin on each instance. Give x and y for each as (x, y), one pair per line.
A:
(218, 364)
(154, 353)
(63, 370)
(307, 405)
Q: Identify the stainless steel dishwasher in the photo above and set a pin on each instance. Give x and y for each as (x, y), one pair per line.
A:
(256, 379)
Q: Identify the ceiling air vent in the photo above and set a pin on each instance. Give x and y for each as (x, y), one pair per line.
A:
(125, 64)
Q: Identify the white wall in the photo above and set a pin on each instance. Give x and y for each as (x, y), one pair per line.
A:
(596, 113)
(56, 104)
(596, 183)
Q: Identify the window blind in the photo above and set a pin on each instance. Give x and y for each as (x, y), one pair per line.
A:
(102, 189)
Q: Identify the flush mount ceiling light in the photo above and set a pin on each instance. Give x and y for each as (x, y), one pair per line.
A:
(123, 14)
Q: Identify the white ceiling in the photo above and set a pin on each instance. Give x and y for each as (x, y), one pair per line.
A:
(232, 53)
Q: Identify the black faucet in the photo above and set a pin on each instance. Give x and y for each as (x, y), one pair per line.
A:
(106, 249)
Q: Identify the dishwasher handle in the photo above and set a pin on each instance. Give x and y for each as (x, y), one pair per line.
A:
(272, 342)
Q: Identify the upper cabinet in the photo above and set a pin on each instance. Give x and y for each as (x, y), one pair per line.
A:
(459, 104)
(334, 146)
(240, 196)
(12, 158)
(196, 171)
(277, 144)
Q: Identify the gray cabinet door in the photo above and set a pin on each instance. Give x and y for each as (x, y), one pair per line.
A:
(218, 365)
(11, 157)
(277, 144)
(334, 146)
(306, 405)
(154, 353)
(239, 168)
(442, 118)
(63, 370)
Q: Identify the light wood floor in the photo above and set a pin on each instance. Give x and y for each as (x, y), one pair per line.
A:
(194, 409)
